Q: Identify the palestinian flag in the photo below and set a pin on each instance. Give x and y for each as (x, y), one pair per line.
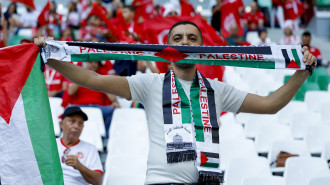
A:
(267, 57)
(291, 58)
(208, 159)
(28, 150)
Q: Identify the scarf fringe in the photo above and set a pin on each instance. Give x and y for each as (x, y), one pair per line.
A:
(208, 176)
(175, 157)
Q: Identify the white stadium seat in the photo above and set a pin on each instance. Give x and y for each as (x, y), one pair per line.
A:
(299, 170)
(314, 99)
(267, 134)
(301, 121)
(273, 180)
(239, 168)
(57, 110)
(235, 148)
(291, 146)
(95, 115)
(91, 135)
(128, 148)
(325, 180)
(285, 115)
(255, 121)
(325, 113)
(316, 137)
(231, 131)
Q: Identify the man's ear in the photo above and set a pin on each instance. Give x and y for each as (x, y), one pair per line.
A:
(61, 124)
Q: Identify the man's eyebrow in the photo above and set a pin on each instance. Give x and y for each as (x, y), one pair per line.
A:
(177, 34)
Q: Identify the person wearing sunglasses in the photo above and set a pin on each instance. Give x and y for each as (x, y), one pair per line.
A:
(80, 160)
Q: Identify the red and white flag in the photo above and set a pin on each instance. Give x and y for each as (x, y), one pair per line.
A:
(26, 2)
(43, 18)
(229, 16)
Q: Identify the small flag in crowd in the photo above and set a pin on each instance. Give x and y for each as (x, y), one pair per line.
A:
(28, 150)
(43, 18)
(26, 2)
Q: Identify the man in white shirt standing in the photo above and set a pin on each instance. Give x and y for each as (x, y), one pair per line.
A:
(80, 160)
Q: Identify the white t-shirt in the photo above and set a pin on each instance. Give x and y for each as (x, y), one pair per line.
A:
(87, 155)
(29, 18)
(147, 89)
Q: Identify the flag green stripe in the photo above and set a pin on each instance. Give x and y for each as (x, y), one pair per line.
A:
(211, 165)
(196, 109)
(295, 56)
(185, 106)
(39, 122)
(111, 56)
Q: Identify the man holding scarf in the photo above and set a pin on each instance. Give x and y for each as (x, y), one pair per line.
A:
(182, 109)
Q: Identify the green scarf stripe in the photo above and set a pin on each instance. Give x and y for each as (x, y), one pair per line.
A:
(211, 165)
(295, 56)
(196, 110)
(185, 106)
(108, 56)
(38, 117)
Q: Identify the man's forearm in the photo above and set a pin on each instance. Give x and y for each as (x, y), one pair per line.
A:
(92, 177)
(283, 95)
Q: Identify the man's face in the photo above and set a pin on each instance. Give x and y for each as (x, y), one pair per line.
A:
(72, 126)
(186, 34)
(306, 40)
(128, 14)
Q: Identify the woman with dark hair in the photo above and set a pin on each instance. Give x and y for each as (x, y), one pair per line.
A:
(55, 18)
(12, 19)
(73, 17)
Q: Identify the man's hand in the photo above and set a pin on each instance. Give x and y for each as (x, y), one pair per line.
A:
(308, 59)
(72, 160)
(41, 41)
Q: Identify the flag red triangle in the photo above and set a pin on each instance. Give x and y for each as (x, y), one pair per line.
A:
(15, 66)
(292, 64)
(204, 159)
(43, 18)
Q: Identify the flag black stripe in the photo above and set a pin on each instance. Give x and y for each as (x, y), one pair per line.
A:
(213, 155)
(266, 50)
(286, 57)
(167, 102)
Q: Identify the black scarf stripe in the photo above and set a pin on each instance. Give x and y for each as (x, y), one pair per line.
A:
(266, 50)
(167, 101)
(212, 111)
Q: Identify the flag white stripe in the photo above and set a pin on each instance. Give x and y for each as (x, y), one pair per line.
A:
(17, 168)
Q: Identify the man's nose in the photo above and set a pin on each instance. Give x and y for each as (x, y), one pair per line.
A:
(184, 40)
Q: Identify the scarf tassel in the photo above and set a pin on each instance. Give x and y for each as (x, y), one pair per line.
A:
(175, 157)
(208, 176)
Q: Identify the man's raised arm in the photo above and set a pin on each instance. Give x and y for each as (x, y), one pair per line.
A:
(274, 102)
(116, 85)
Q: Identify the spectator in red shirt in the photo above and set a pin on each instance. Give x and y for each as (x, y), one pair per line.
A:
(305, 41)
(292, 9)
(93, 29)
(55, 82)
(89, 98)
(254, 20)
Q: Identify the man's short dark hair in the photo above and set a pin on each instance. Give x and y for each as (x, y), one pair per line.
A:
(307, 34)
(183, 23)
(130, 7)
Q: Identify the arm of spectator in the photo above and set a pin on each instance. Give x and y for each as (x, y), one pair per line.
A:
(73, 88)
(274, 102)
(5, 32)
(113, 99)
(92, 177)
(153, 68)
(116, 85)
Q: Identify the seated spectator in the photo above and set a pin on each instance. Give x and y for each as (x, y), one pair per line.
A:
(216, 16)
(55, 82)
(13, 19)
(29, 18)
(264, 40)
(55, 19)
(292, 9)
(305, 41)
(80, 160)
(93, 29)
(289, 37)
(234, 39)
(3, 31)
(170, 10)
(72, 17)
(89, 98)
(67, 35)
(254, 20)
